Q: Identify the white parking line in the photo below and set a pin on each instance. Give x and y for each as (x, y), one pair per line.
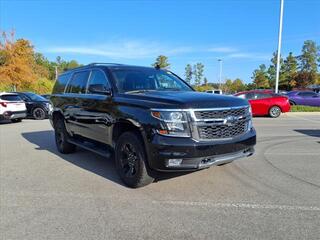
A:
(306, 119)
(238, 205)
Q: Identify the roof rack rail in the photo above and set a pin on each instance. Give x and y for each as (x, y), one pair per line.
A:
(97, 63)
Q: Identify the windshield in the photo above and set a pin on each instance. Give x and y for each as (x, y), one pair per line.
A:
(145, 79)
(35, 97)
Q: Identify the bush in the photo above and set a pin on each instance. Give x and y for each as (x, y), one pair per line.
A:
(41, 86)
(300, 108)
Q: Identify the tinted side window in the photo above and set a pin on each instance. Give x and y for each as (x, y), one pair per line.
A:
(307, 94)
(262, 95)
(250, 96)
(10, 97)
(61, 83)
(98, 81)
(78, 83)
(25, 98)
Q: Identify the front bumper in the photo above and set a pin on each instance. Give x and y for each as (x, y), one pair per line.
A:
(197, 155)
(13, 115)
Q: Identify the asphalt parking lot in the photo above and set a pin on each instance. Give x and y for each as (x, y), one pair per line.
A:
(274, 194)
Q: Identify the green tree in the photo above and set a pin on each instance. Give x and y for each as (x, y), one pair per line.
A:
(188, 73)
(308, 66)
(250, 86)
(161, 62)
(273, 69)
(237, 85)
(260, 78)
(227, 86)
(290, 71)
(198, 73)
(205, 81)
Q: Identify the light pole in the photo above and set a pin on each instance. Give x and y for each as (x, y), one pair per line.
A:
(220, 72)
(279, 46)
(56, 71)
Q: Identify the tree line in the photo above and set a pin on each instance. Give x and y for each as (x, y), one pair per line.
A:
(194, 75)
(295, 71)
(24, 69)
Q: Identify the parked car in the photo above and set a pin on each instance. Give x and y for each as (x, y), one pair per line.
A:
(308, 98)
(265, 103)
(12, 107)
(37, 107)
(150, 119)
(214, 91)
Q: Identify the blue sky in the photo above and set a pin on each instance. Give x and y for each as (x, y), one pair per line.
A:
(243, 33)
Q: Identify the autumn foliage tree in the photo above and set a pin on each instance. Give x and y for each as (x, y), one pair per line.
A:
(23, 69)
(17, 67)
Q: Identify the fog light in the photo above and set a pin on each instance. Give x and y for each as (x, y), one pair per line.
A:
(174, 162)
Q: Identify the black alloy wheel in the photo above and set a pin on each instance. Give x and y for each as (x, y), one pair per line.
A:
(39, 113)
(131, 161)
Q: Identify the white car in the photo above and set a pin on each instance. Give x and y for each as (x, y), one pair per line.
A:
(215, 91)
(12, 107)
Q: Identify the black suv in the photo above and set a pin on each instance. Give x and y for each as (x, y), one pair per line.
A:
(37, 106)
(150, 119)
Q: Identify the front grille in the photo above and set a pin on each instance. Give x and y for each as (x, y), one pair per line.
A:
(216, 113)
(223, 131)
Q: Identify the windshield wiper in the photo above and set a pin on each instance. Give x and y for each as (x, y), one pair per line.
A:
(140, 91)
(170, 89)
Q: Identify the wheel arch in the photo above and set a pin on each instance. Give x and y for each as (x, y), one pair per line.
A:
(55, 116)
(126, 125)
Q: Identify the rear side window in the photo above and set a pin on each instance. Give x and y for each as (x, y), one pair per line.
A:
(78, 83)
(262, 95)
(10, 97)
(250, 96)
(61, 83)
(98, 81)
(307, 94)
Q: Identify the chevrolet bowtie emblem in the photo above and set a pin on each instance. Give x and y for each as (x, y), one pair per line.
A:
(230, 120)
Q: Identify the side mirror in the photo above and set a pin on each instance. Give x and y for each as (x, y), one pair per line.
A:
(99, 89)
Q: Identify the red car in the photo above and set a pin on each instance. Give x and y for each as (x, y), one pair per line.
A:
(265, 103)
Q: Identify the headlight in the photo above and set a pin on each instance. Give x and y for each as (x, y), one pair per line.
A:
(250, 110)
(173, 123)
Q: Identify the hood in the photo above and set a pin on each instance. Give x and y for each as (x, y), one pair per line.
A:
(177, 99)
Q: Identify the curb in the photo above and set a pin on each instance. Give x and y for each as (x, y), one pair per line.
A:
(302, 113)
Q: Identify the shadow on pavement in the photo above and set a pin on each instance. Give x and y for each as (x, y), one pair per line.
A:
(309, 132)
(85, 159)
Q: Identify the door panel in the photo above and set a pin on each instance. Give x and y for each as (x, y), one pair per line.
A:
(75, 93)
(96, 108)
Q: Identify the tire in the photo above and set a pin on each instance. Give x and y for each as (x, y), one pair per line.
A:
(61, 137)
(39, 113)
(292, 103)
(131, 161)
(274, 112)
(16, 120)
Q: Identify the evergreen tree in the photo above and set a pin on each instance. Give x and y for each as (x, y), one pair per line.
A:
(273, 69)
(198, 73)
(205, 81)
(308, 66)
(188, 73)
(290, 71)
(260, 78)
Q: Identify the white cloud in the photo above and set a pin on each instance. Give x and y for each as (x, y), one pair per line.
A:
(124, 50)
(222, 49)
(253, 56)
